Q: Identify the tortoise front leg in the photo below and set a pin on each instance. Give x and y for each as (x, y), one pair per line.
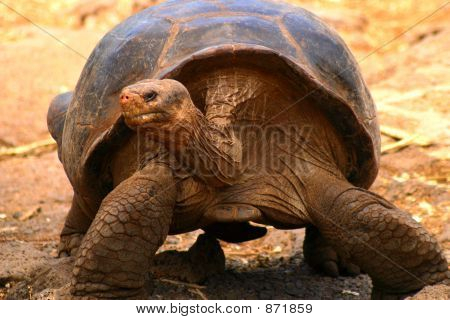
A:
(399, 255)
(131, 224)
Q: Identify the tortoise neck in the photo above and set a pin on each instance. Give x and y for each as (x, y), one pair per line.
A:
(214, 151)
(205, 149)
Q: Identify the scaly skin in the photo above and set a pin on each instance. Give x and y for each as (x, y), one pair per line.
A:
(399, 255)
(131, 224)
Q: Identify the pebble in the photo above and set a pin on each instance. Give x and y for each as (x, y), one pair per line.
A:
(353, 293)
(277, 249)
(17, 214)
(22, 216)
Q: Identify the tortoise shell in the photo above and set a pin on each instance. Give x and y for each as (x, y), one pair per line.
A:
(162, 41)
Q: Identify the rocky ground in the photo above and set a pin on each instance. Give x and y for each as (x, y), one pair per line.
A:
(404, 54)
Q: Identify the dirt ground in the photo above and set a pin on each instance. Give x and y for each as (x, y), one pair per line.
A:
(404, 52)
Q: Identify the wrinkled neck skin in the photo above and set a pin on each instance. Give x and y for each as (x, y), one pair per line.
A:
(202, 147)
(212, 153)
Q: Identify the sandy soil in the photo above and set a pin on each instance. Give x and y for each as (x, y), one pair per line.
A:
(408, 76)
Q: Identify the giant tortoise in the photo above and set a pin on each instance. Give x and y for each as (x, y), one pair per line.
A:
(226, 116)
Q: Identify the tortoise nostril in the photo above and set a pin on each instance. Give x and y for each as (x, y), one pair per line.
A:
(124, 98)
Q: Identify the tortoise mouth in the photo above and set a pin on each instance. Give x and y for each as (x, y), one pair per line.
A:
(136, 112)
(136, 119)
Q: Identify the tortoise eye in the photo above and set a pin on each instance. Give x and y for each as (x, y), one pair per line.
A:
(149, 96)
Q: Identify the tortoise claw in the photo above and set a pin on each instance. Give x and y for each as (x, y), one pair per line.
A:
(350, 269)
(330, 268)
(69, 244)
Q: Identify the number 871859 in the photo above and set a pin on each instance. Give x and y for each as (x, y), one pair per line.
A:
(288, 308)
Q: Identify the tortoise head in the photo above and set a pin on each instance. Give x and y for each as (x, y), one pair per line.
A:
(155, 102)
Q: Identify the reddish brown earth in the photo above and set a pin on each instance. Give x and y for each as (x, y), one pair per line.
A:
(409, 78)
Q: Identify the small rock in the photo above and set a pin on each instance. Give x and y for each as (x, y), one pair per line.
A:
(426, 207)
(349, 292)
(402, 178)
(22, 216)
(277, 249)
(17, 214)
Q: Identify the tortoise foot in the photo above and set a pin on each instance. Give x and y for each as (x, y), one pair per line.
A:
(69, 244)
(321, 256)
(203, 259)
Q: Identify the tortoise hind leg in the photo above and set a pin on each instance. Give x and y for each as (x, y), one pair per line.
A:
(321, 255)
(203, 259)
(131, 224)
(398, 254)
(76, 225)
